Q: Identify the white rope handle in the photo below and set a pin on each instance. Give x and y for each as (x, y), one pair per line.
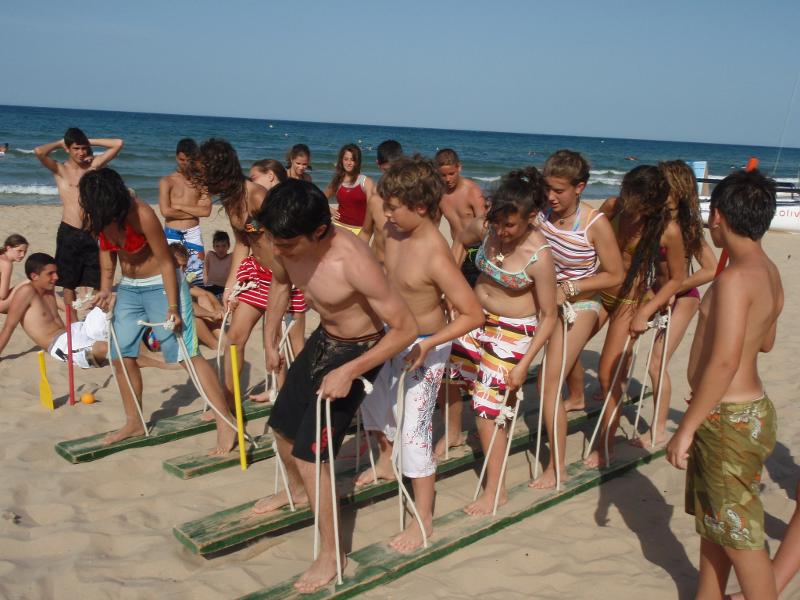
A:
(506, 412)
(397, 461)
(608, 398)
(654, 424)
(542, 369)
(656, 325)
(569, 312)
(238, 288)
(643, 389)
(112, 334)
(334, 495)
(187, 363)
(510, 436)
(78, 303)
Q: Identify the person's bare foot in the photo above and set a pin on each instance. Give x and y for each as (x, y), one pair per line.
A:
(454, 440)
(643, 441)
(226, 440)
(410, 538)
(272, 503)
(596, 459)
(547, 480)
(572, 404)
(208, 416)
(129, 430)
(484, 505)
(367, 477)
(265, 396)
(321, 572)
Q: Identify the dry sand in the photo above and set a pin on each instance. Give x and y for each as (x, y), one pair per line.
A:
(103, 529)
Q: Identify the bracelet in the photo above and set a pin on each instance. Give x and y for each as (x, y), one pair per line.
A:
(172, 306)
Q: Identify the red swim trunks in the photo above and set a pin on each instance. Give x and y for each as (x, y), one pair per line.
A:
(258, 297)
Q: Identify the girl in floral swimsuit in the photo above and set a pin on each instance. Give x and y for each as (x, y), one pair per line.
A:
(517, 289)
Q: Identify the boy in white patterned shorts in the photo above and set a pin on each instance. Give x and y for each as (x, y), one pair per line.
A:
(419, 265)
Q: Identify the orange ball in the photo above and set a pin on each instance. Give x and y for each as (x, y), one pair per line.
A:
(87, 398)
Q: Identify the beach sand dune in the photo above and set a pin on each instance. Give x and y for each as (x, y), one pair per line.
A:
(104, 529)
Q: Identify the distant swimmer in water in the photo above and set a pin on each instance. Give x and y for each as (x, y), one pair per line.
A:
(3, 149)
(631, 158)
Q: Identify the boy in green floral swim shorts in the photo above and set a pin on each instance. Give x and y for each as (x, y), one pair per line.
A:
(729, 428)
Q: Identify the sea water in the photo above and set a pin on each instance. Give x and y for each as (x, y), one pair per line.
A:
(150, 141)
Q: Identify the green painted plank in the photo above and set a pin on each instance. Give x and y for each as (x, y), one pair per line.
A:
(377, 564)
(196, 464)
(238, 525)
(165, 430)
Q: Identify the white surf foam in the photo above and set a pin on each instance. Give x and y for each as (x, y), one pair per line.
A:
(33, 190)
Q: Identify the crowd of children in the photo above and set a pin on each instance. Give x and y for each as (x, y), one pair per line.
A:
(533, 270)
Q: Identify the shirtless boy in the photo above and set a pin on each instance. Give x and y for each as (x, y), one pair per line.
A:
(34, 306)
(344, 283)
(374, 221)
(76, 250)
(462, 202)
(420, 266)
(729, 428)
(182, 205)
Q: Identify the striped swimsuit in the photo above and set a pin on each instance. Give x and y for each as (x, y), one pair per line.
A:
(574, 256)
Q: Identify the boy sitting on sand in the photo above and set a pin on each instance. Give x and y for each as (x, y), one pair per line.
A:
(419, 264)
(34, 306)
(729, 428)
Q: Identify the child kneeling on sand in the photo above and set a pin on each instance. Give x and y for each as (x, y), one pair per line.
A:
(729, 428)
(419, 264)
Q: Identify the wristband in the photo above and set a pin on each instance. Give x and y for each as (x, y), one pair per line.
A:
(172, 306)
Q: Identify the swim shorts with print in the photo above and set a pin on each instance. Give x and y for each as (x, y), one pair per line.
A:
(723, 476)
(483, 358)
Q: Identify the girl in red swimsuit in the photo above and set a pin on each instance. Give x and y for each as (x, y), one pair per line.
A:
(351, 189)
(149, 290)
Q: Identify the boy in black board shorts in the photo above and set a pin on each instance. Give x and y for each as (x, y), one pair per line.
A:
(76, 250)
(344, 283)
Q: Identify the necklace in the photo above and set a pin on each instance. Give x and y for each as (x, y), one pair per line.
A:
(562, 220)
(499, 257)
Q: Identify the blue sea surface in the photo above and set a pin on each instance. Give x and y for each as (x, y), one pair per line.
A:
(150, 140)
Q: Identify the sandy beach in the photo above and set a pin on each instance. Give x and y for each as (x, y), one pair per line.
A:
(104, 529)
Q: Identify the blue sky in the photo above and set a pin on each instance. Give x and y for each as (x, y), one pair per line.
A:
(697, 71)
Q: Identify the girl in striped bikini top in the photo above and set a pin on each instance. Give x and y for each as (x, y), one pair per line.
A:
(574, 255)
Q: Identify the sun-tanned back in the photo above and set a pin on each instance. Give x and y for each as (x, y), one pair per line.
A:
(756, 281)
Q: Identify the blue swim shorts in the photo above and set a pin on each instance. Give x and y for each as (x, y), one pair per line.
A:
(146, 300)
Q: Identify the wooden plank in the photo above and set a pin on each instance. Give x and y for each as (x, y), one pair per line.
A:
(238, 525)
(165, 430)
(196, 464)
(378, 564)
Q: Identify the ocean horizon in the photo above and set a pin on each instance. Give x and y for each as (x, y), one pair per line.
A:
(150, 140)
